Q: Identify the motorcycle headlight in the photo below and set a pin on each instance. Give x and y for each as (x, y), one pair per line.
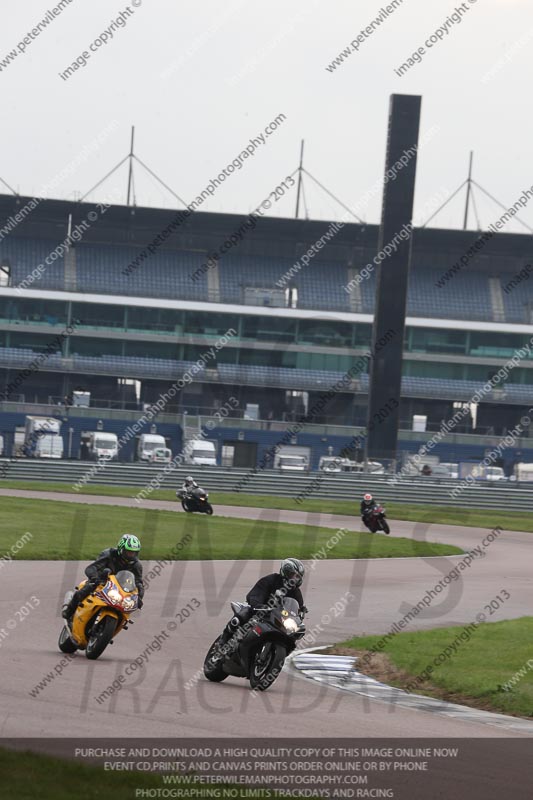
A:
(114, 595)
(290, 625)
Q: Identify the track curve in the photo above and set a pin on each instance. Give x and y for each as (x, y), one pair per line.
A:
(154, 699)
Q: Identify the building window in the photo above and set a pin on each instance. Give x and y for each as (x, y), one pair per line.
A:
(5, 274)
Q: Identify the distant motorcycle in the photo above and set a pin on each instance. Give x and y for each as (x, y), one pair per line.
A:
(267, 637)
(375, 520)
(101, 616)
(195, 500)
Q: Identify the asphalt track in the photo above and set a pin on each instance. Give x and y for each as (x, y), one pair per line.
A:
(153, 700)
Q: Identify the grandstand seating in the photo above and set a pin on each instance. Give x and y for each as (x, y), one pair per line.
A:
(302, 379)
(518, 301)
(99, 269)
(163, 274)
(318, 287)
(465, 296)
(235, 273)
(459, 390)
(24, 255)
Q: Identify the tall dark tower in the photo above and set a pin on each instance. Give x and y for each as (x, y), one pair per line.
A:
(392, 278)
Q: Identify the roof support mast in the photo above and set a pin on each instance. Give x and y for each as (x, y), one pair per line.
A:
(300, 168)
(130, 173)
(468, 190)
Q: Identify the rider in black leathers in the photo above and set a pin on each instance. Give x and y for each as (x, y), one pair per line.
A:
(109, 562)
(189, 484)
(288, 581)
(367, 505)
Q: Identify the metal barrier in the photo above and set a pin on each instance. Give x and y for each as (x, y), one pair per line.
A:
(427, 491)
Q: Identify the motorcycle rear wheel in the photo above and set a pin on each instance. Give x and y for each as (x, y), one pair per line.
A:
(214, 671)
(264, 674)
(100, 637)
(185, 507)
(65, 643)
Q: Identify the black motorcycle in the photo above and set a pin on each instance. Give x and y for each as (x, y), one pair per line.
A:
(375, 520)
(195, 500)
(259, 646)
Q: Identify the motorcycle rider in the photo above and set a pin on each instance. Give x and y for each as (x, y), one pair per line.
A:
(285, 583)
(109, 562)
(367, 505)
(189, 484)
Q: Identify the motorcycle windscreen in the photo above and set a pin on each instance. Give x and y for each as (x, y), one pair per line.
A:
(198, 493)
(291, 605)
(126, 580)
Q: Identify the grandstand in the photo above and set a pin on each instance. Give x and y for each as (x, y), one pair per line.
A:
(150, 323)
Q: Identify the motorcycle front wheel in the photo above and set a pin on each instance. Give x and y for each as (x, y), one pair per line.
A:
(385, 526)
(267, 665)
(100, 637)
(208, 508)
(213, 668)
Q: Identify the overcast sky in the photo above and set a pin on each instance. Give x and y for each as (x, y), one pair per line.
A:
(200, 79)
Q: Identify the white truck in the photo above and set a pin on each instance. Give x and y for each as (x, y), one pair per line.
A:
(102, 446)
(336, 464)
(292, 459)
(200, 453)
(148, 442)
(161, 455)
(42, 438)
(523, 472)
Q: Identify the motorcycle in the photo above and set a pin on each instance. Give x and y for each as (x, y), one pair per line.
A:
(101, 616)
(376, 521)
(195, 500)
(259, 646)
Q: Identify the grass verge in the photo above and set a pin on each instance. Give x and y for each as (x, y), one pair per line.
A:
(31, 776)
(489, 671)
(443, 515)
(74, 531)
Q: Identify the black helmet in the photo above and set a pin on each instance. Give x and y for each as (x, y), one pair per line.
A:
(292, 570)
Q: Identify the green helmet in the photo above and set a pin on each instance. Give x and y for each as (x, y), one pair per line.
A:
(128, 547)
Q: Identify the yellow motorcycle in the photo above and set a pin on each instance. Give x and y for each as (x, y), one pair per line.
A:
(101, 616)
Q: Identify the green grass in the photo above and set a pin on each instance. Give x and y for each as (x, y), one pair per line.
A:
(443, 515)
(74, 531)
(476, 673)
(29, 776)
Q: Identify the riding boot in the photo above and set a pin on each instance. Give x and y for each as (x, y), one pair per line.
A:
(230, 629)
(78, 597)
